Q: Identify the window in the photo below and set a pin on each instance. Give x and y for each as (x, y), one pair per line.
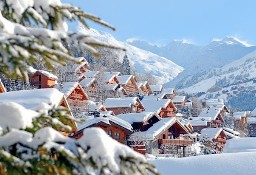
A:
(109, 132)
(117, 135)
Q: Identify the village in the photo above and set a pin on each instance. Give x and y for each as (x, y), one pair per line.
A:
(147, 117)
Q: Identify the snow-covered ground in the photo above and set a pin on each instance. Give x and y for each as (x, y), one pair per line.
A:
(217, 164)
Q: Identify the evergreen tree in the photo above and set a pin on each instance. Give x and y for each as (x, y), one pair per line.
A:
(126, 67)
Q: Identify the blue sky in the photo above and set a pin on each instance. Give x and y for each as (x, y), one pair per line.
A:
(197, 21)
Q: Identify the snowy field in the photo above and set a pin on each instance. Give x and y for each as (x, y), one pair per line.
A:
(218, 164)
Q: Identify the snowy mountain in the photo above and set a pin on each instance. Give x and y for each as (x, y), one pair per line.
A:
(231, 81)
(144, 62)
(196, 59)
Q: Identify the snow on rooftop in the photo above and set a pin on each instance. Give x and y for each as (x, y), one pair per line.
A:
(212, 133)
(159, 127)
(48, 74)
(109, 75)
(239, 115)
(156, 88)
(111, 87)
(251, 120)
(155, 105)
(210, 102)
(179, 99)
(214, 164)
(105, 119)
(120, 102)
(68, 87)
(86, 82)
(210, 112)
(124, 79)
(91, 74)
(243, 144)
(136, 117)
(31, 99)
(13, 115)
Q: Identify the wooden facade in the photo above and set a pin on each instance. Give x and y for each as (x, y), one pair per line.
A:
(41, 80)
(128, 82)
(144, 88)
(2, 88)
(168, 110)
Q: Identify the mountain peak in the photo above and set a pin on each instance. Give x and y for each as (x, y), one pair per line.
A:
(231, 41)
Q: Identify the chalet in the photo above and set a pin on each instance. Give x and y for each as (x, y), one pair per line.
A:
(167, 93)
(179, 101)
(240, 121)
(77, 68)
(199, 123)
(128, 83)
(36, 98)
(109, 78)
(115, 127)
(167, 136)
(124, 105)
(156, 89)
(163, 107)
(140, 121)
(251, 125)
(90, 86)
(91, 74)
(214, 138)
(217, 114)
(113, 90)
(2, 88)
(43, 79)
(144, 88)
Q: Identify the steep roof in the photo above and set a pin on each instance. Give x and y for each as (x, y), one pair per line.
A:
(137, 117)
(109, 75)
(120, 102)
(155, 105)
(178, 99)
(105, 119)
(239, 115)
(124, 79)
(86, 82)
(156, 88)
(212, 112)
(67, 87)
(31, 99)
(91, 74)
(211, 133)
(199, 121)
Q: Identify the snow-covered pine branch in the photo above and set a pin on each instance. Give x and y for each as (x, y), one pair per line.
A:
(35, 28)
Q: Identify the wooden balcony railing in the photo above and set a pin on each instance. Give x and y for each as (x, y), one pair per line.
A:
(179, 142)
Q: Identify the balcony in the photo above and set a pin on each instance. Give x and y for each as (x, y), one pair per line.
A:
(178, 142)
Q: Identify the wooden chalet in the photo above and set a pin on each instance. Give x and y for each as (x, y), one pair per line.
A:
(144, 88)
(78, 68)
(156, 89)
(167, 136)
(90, 86)
(124, 105)
(140, 121)
(167, 93)
(109, 77)
(2, 88)
(179, 101)
(115, 127)
(113, 91)
(240, 121)
(36, 98)
(199, 123)
(214, 138)
(163, 107)
(128, 83)
(43, 79)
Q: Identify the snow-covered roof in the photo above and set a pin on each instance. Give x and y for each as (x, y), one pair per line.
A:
(156, 88)
(232, 131)
(91, 74)
(31, 99)
(155, 105)
(86, 82)
(239, 115)
(137, 117)
(251, 120)
(211, 133)
(178, 99)
(159, 127)
(124, 79)
(111, 87)
(199, 121)
(253, 113)
(107, 76)
(243, 144)
(120, 102)
(105, 119)
(212, 112)
(48, 74)
(68, 87)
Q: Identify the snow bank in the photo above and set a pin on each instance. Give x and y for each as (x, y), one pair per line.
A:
(218, 164)
(246, 144)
